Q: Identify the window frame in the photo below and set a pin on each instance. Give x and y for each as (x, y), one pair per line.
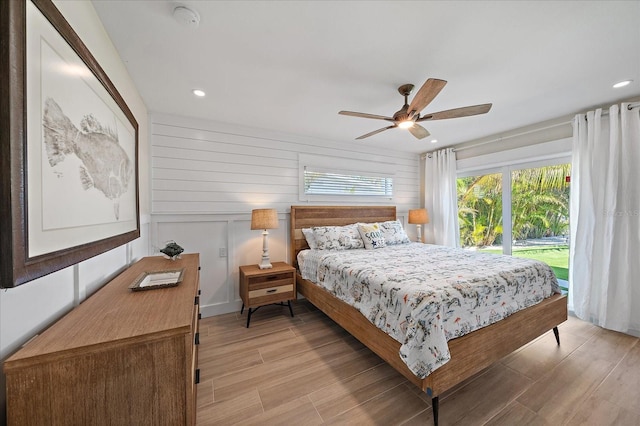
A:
(506, 170)
(348, 167)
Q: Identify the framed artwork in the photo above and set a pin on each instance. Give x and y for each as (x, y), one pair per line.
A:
(68, 148)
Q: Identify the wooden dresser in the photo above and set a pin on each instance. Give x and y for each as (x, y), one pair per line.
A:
(120, 358)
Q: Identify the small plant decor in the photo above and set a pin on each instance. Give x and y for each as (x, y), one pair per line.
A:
(172, 250)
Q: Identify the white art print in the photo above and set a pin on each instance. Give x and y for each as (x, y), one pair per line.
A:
(87, 152)
(81, 148)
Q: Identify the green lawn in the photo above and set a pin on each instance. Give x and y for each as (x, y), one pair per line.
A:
(555, 256)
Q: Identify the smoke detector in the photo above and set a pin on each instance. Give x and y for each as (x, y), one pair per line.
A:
(187, 17)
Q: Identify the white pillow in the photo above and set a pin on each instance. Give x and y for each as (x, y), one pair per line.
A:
(311, 239)
(337, 237)
(394, 233)
(371, 235)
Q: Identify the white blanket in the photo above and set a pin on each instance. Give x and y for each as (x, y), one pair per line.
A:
(424, 295)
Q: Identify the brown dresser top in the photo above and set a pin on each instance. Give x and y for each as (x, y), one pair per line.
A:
(115, 314)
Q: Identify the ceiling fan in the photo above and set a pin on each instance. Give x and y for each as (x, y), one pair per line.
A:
(408, 116)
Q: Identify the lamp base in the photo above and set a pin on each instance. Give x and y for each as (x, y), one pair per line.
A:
(265, 264)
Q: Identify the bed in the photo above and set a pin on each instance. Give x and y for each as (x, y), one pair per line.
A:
(469, 353)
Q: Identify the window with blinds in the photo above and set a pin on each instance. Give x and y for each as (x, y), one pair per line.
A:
(324, 182)
(333, 178)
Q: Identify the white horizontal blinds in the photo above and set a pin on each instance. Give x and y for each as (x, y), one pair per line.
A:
(326, 182)
(337, 178)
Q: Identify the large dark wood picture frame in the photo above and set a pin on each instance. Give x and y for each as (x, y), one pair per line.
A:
(18, 263)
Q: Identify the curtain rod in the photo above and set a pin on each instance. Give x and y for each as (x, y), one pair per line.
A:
(629, 107)
(604, 112)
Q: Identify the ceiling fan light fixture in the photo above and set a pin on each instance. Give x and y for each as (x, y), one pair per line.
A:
(408, 116)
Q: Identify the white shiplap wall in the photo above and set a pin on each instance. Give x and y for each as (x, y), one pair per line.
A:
(206, 178)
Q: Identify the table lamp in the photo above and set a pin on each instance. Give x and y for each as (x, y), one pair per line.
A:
(418, 217)
(264, 219)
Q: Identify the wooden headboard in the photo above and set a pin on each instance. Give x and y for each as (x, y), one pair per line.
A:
(308, 216)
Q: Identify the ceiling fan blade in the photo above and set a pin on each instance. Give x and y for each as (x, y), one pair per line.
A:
(375, 132)
(457, 112)
(418, 131)
(425, 95)
(365, 115)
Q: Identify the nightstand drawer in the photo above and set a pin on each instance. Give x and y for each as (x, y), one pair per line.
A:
(270, 290)
(277, 294)
(274, 276)
(265, 286)
(259, 287)
(258, 283)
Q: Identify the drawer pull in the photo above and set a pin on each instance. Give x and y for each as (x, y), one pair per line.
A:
(197, 339)
(197, 378)
(272, 290)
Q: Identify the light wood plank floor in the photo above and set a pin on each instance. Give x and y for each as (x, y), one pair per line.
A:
(306, 370)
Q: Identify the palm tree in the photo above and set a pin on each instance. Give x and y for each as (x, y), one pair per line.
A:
(480, 209)
(539, 205)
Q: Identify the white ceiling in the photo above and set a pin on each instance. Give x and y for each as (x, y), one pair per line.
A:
(290, 66)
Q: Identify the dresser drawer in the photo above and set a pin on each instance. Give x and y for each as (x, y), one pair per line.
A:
(114, 365)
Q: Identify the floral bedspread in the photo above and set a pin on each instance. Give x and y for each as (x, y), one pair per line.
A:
(424, 295)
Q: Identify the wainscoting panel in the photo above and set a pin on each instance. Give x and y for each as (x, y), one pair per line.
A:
(206, 238)
(224, 242)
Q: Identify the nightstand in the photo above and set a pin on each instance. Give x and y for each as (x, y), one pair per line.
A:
(259, 287)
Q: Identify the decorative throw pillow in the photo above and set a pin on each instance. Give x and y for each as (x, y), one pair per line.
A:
(394, 233)
(337, 237)
(311, 239)
(371, 235)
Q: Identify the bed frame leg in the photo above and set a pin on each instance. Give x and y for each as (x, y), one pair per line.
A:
(434, 405)
(557, 334)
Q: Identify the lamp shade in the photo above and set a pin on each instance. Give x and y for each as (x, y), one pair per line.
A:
(264, 219)
(418, 216)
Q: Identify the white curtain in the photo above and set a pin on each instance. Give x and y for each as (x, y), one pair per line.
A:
(604, 265)
(441, 199)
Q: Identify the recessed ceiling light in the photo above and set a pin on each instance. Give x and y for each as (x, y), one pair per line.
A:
(622, 84)
(198, 92)
(434, 140)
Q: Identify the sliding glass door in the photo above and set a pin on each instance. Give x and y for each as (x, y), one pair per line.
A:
(540, 215)
(521, 210)
(480, 211)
